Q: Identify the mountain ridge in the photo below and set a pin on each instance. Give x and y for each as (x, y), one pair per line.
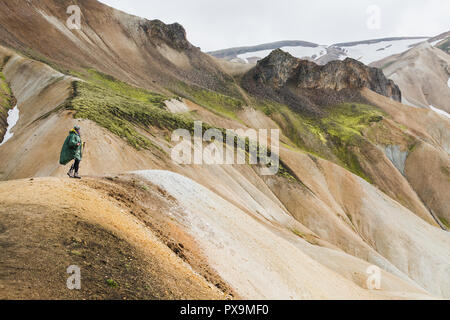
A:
(333, 50)
(280, 67)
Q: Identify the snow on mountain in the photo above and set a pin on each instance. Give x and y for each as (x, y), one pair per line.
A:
(422, 75)
(440, 112)
(299, 52)
(366, 51)
(439, 39)
(435, 42)
(370, 52)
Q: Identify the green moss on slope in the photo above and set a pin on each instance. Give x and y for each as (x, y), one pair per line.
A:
(445, 222)
(347, 121)
(7, 100)
(445, 46)
(335, 136)
(5, 90)
(121, 88)
(6, 96)
(216, 102)
(121, 108)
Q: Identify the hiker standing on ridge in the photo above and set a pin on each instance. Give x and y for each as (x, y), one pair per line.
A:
(72, 150)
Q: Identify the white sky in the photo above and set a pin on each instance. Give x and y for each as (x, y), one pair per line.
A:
(213, 25)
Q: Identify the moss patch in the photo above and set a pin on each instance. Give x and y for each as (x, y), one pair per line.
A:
(6, 96)
(298, 233)
(112, 283)
(121, 88)
(307, 237)
(445, 222)
(387, 133)
(7, 100)
(121, 108)
(216, 102)
(283, 172)
(445, 46)
(348, 120)
(336, 136)
(445, 171)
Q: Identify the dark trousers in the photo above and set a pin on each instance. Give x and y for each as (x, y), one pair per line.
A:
(75, 166)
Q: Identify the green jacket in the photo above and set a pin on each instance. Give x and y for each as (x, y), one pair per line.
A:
(71, 148)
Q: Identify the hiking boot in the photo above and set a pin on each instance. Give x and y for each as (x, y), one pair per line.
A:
(70, 174)
(76, 176)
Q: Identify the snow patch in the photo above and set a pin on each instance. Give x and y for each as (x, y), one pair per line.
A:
(440, 112)
(448, 82)
(176, 106)
(13, 117)
(368, 53)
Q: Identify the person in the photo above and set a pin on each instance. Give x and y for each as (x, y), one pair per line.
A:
(72, 150)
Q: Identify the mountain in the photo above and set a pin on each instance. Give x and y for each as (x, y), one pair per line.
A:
(366, 51)
(145, 53)
(233, 53)
(422, 73)
(362, 181)
(326, 100)
(280, 70)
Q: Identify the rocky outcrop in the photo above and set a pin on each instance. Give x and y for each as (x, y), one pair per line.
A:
(276, 69)
(281, 69)
(172, 34)
(338, 75)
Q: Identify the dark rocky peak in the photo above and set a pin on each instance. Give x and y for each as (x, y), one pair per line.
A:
(281, 69)
(276, 68)
(347, 74)
(173, 35)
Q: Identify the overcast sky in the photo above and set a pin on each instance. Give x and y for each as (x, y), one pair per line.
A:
(213, 25)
